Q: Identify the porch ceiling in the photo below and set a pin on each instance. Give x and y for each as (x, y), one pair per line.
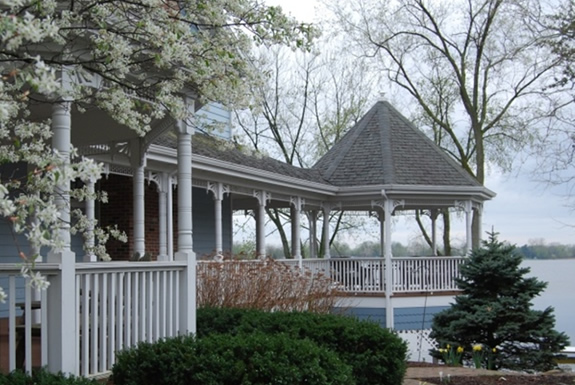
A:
(89, 127)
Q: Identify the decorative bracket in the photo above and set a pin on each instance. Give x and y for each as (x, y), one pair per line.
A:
(463, 205)
(162, 181)
(394, 203)
(262, 196)
(218, 189)
(297, 202)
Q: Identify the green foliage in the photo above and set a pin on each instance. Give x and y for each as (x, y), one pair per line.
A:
(495, 311)
(42, 377)
(376, 355)
(254, 358)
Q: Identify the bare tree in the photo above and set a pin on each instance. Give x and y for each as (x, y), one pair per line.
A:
(307, 103)
(476, 70)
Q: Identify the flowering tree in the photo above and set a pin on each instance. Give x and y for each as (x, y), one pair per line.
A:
(139, 59)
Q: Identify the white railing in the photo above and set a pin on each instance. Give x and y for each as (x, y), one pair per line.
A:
(120, 305)
(367, 275)
(25, 317)
(425, 274)
(117, 305)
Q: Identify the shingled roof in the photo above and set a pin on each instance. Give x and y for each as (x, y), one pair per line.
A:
(384, 148)
(216, 148)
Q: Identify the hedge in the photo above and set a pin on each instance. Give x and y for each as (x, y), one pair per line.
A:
(376, 355)
(221, 359)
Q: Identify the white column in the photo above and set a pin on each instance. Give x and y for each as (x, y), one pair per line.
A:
(433, 215)
(91, 217)
(381, 218)
(170, 217)
(163, 183)
(187, 303)
(312, 218)
(479, 209)
(218, 189)
(61, 313)
(138, 163)
(326, 210)
(297, 203)
(466, 206)
(263, 197)
(389, 313)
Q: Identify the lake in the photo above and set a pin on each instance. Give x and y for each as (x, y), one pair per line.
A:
(560, 292)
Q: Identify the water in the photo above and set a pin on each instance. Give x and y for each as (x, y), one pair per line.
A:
(560, 292)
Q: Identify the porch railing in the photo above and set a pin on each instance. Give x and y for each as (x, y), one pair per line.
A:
(117, 305)
(120, 305)
(367, 275)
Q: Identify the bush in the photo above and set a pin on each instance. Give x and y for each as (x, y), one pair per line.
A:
(267, 285)
(42, 377)
(376, 355)
(244, 359)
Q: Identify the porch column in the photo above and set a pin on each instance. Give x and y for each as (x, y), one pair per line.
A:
(91, 217)
(312, 218)
(389, 313)
(467, 207)
(479, 209)
(296, 204)
(263, 197)
(326, 208)
(172, 181)
(61, 315)
(187, 289)
(163, 186)
(218, 189)
(138, 165)
(433, 215)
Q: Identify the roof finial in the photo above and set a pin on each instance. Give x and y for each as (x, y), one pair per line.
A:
(382, 96)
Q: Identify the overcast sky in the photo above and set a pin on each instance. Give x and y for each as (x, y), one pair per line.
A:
(521, 211)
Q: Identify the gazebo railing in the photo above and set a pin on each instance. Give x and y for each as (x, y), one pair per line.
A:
(367, 275)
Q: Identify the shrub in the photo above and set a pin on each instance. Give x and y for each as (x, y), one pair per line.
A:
(245, 359)
(42, 377)
(267, 285)
(376, 355)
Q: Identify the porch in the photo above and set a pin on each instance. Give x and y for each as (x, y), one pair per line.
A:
(116, 305)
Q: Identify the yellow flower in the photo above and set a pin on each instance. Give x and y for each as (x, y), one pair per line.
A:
(448, 346)
(494, 350)
(477, 347)
(460, 349)
(442, 351)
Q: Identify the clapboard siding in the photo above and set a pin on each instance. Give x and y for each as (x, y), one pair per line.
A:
(204, 223)
(216, 119)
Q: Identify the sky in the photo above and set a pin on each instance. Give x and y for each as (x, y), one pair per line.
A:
(523, 209)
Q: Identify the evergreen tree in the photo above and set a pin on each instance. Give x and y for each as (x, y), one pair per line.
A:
(494, 311)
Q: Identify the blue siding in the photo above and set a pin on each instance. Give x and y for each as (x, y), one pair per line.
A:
(376, 315)
(415, 318)
(216, 119)
(405, 318)
(204, 223)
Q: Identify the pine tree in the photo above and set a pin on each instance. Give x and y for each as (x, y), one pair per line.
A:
(495, 312)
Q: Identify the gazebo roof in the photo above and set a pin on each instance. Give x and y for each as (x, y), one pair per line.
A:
(383, 155)
(384, 148)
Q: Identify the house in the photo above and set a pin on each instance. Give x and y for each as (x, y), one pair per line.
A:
(162, 184)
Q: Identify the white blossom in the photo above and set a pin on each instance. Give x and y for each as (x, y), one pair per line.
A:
(136, 61)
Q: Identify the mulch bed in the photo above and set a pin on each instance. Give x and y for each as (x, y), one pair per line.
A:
(563, 379)
(556, 378)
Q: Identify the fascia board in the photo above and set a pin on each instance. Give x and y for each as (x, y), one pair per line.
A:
(240, 172)
(397, 191)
